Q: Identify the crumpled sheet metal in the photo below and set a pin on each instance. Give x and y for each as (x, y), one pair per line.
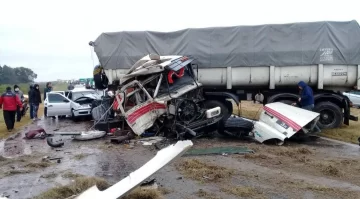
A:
(121, 188)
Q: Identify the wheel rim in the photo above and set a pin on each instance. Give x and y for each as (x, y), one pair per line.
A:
(186, 111)
(327, 117)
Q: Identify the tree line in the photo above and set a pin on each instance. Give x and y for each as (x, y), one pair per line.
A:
(9, 75)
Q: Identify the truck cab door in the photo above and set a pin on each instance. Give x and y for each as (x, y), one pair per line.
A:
(57, 104)
(146, 110)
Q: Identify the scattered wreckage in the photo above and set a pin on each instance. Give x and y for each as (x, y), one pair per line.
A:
(278, 121)
(161, 94)
(121, 188)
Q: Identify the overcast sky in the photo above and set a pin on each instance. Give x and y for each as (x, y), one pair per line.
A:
(51, 37)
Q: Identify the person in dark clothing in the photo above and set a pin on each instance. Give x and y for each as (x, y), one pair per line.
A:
(47, 89)
(71, 87)
(9, 101)
(36, 101)
(30, 101)
(306, 100)
(20, 94)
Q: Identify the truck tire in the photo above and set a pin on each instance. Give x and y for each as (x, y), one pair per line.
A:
(224, 112)
(55, 143)
(331, 115)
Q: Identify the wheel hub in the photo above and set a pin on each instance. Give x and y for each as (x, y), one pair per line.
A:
(325, 116)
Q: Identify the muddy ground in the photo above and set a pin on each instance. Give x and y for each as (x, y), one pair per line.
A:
(311, 169)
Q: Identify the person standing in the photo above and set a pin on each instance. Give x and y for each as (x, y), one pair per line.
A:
(20, 94)
(47, 89)
(30, 101)
(70, 87)
(36, 101)
(306, 100)
(9, 102)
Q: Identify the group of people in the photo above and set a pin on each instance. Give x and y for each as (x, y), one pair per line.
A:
(12, 103)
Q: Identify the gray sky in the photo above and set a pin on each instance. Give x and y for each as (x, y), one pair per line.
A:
(51, 37)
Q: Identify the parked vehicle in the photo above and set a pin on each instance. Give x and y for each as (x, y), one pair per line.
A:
(240, 62)
(354, 97)
(76, 103)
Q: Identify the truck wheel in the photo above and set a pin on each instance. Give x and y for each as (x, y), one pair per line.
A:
(224, 113)
(331, 115)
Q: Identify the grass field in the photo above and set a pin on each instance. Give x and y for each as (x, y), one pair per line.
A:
(345, 133)
(25, 120)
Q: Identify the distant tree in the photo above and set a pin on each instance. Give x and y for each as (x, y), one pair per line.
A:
(17, 75)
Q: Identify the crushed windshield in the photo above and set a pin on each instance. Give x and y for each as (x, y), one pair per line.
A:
(77, 95)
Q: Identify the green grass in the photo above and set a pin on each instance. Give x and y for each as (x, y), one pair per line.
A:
(60, 86)
(26, 119)
(23, 87)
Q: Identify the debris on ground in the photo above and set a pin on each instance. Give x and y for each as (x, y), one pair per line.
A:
(123, 138)
(150, 140)
(56, 139)
(47, 158)
(55, 142)
(121, 188)
(79, 185)
(39, 133)
(204, 172)
(219, 151)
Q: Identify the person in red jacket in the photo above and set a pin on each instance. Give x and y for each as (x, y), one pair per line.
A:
(9, 102)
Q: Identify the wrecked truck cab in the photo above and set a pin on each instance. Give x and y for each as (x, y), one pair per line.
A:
(165, 92)
(277, 122)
